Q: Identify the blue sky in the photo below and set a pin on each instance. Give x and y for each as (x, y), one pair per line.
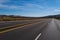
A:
(35, 8)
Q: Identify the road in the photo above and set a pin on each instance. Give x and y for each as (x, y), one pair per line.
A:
(12, 23)
(43, 30)
(51, 32)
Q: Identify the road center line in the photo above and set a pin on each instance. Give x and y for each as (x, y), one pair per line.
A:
(38, 36)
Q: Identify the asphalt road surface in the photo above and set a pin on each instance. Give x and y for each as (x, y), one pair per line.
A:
(43, 30)
(12, 23)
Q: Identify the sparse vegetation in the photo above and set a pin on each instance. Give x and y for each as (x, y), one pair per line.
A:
(15, 18)
(18, 18)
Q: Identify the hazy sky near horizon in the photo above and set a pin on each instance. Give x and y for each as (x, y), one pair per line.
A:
(33, 8)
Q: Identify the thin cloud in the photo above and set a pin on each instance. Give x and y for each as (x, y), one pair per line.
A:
(28, 6)
(57, 10)
(10, 7)
(3, 1)
(34, 5)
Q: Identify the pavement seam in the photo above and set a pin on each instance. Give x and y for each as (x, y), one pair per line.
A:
(40, 33)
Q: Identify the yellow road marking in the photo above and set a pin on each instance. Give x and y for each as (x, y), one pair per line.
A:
(15, 25)
(17, 28)
(11, 26)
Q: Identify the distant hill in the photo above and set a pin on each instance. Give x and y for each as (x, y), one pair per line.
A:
(52, 16)
(15, 18)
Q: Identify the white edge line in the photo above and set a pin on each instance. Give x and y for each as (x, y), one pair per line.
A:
(38, 36)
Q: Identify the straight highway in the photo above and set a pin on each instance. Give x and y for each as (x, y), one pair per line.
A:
(46, 29)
